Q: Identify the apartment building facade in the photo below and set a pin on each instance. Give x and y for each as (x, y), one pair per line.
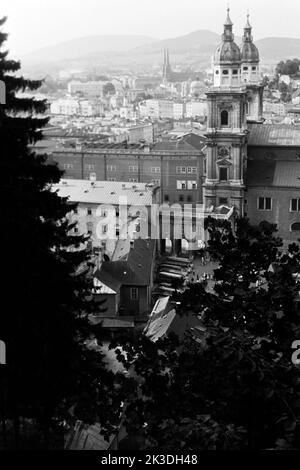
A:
(179, 173)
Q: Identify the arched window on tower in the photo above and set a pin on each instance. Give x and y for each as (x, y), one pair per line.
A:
(224, 118)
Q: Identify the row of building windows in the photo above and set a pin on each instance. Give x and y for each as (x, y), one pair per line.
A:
(158, 181)
(111, 168)
(183, 184)
(186, 169)
(235, 71)
(265, 204)
(134, 168)
(89, 211)
(90, 228)
(135, 180)
(89, 167)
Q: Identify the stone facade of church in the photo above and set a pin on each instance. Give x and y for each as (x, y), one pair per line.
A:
(249, 165)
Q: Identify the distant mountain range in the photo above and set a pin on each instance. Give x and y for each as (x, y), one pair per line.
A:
(279, 48)
(81, 47)
(191, 49)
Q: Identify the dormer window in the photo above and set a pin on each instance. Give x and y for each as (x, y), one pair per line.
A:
(253, 68)
(225, 72)
(234, 72)
(217, 72)
(224, 118)
(245, 68)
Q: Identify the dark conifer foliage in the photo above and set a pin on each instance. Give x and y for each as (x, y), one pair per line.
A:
(44, 301)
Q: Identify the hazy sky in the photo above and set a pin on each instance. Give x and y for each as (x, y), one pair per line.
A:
(36, 23)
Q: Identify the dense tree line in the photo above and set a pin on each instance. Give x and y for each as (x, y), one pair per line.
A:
(236, 387)
(289, 67)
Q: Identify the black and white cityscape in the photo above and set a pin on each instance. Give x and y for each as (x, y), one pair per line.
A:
(150, 238)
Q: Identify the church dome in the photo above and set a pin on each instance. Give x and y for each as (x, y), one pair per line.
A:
(227, 53)
(249, 52)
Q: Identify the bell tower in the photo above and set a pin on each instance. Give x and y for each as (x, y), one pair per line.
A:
(226, 127)
(251, 76)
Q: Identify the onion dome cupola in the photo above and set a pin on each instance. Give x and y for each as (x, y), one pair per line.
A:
(227, 58)
(250, 56)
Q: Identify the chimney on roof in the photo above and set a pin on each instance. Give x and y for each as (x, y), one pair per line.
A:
(131, 244)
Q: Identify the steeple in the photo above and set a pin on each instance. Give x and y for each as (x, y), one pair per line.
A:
(226, 55)
(167, 58)
(166, 67)
(249, 51)
(228, 21)
(228, 34)
(248, 25)
(247, 37)
(251, 76)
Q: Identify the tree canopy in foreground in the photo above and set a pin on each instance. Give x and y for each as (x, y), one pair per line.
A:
(236, 387)
(51, 376)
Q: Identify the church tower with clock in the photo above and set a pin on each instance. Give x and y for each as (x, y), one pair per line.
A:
(226, 151)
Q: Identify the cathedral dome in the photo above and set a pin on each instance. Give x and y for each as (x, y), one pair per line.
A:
(248, 48)
(227, 53)
(249, 52)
